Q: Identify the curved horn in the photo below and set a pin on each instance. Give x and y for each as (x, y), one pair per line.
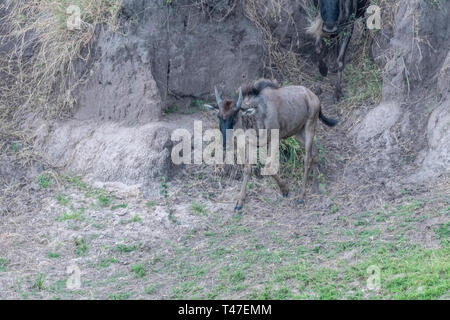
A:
(218, 99)
(239, 102)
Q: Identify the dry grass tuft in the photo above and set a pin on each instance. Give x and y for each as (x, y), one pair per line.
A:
(38, 68)
(281, 62)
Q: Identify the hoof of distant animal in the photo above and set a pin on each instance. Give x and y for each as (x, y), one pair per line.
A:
(323, 69)
(337, 96)
(286, 194)
(238, 208)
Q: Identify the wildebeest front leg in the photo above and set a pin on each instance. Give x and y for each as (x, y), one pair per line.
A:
(243, 193)
(321, 51)
(341, 65)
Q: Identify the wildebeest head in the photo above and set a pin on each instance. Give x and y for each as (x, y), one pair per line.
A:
(228, 111)
(330, 12)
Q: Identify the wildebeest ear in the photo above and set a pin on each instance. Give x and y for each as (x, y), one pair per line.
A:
(249, 111)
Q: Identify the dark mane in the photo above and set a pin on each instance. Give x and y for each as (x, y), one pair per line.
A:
(256, 88)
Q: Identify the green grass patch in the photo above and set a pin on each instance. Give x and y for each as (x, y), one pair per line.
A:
(53, 255)
(123, 248)
(106, 262)
(138, 269)
(443, 233)
(364, 81)
(3, 263)
(119, 206)
(291, 157)
(152, 289)
(43, 181)
(63, 201)
(199, 209)
(104, 200)
(74, 215)
(39, 282)
(81, 248)
(150, 204)
(120, 296)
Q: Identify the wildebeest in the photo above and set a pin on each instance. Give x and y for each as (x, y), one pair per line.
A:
(335, 19)
(293, 110)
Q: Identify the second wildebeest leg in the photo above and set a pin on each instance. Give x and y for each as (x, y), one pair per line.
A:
(310, 129)
(341, 63)
(321, 50)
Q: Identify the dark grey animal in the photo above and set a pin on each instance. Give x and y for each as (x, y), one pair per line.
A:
(293, 110)
(335, 20)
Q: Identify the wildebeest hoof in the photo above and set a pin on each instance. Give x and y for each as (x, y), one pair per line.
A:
(323, 69)
(237, 208)
(337, 95)
(285, 194)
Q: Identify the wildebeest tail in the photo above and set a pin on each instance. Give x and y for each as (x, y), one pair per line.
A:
(328, 121)
(255, 88)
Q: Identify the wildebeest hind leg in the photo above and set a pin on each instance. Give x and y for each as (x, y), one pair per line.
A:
(309, 129)
(284, 189)
(314, 161)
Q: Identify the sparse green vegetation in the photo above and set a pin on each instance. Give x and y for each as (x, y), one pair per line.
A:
(80, 246)
(199, 208)
(43, 181)
(104, 200)
(136, 219)
(150, 204)
(122, 248)
(75, 181)
(63, 201)
(364, 81)
(443, 233)
(39, 282)
(73, 215)
(151, 289)
(53, 255)
(120, 296)
(3, 264)
(291, 158)
(106, 262)
(118, 206)
(138, 270)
